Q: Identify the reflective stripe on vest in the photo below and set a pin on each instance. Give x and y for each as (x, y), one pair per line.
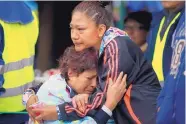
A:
(17, 90)
(18, 55)
(159, 48)
(16, 65)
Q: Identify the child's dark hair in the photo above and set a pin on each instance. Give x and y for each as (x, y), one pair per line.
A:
(77, 61)
(96, 11)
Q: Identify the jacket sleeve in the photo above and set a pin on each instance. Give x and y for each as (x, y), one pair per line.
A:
(166, 102)
(99, 115)
(161, 96)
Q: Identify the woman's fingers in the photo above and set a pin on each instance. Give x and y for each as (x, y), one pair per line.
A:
(80, 103)
(74, 102)
(123, 83)
(110, 82)
(119, 79)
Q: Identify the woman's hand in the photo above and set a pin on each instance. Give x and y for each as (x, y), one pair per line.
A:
(80, 101)
(33, 99)
(115, 91)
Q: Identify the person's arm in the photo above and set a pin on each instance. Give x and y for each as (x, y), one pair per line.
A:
(101, 115)
(165, 102)
(161, 96)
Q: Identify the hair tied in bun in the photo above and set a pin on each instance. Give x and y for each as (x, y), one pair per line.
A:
(104, 3)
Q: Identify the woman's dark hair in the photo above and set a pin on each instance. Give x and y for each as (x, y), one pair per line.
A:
(77, 61)
(96, 11)
(142, 17)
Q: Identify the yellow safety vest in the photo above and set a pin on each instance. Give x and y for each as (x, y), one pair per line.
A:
(159, 48)
(18, 55)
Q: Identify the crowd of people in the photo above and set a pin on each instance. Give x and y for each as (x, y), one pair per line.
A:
(134, 75)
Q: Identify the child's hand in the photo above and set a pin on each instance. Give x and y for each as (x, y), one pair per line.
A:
(80, 101)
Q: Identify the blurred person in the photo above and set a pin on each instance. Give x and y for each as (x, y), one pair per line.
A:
(18, 35)
(137, 25)
(90, 27)
(121, 8)
(171, 101)
(159, 39)
(150, 6)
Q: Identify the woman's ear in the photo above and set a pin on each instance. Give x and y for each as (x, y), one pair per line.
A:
(101, 30)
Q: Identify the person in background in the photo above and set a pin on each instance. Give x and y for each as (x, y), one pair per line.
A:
(123, 7)
(159, 39)
(171, 101)
(137, 25)
(18, 35)
(150, 6)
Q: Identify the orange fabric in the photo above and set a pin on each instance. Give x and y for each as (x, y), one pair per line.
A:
(128, 105)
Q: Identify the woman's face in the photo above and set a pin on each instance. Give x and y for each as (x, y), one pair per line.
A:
(84, 32)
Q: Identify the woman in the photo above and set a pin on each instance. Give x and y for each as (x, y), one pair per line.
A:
(90, 27)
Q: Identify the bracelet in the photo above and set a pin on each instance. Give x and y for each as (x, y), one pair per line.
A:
(58, 113)
(26, 95)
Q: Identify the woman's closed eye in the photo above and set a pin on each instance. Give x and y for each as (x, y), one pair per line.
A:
(81, 29)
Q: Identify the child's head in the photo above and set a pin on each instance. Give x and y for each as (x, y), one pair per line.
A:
(79, 69)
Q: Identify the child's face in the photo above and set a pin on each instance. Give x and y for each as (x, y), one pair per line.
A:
(84, 82)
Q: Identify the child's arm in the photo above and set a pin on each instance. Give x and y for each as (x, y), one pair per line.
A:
(101, 115)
